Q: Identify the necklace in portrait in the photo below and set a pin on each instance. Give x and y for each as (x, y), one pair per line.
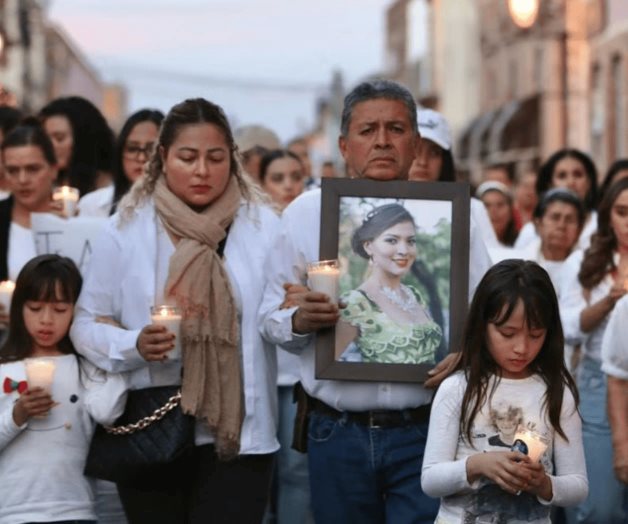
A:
(403, 298)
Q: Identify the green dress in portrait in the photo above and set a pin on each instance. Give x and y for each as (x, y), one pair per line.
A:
(383, 340)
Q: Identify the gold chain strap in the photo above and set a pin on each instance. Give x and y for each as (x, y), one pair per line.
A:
(141, 424)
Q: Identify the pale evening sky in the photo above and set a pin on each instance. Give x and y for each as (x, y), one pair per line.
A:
(165, 51)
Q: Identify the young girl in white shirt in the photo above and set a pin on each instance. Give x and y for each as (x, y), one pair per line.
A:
(512, 361)
(45, 432)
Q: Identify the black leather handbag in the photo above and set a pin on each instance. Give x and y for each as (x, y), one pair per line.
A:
(152, 432)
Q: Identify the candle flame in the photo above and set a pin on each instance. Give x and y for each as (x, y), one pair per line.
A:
(8, 285)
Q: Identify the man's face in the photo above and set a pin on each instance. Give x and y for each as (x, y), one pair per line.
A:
(380, 143)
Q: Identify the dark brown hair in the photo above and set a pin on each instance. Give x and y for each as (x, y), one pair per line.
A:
(598, 258)
(46, 278)
(497, 295)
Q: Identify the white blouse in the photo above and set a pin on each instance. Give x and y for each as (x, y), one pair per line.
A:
(130, 262)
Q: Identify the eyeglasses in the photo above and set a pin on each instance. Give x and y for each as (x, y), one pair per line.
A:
(134, 152)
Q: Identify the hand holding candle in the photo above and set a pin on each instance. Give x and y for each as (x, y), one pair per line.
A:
(530, 443)
(69, 196)
(170, 317)
(323, 277)
(40, 373)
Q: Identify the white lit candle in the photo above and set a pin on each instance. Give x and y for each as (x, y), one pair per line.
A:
(6, 294)
(69, 196)
(534, 444)
(323, 277)
(169, 316)
(39, 373)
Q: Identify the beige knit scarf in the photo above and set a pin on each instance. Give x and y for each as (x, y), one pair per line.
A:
(212, 382)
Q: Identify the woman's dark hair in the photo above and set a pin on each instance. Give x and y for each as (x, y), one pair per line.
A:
(546, 173)
(377, 221)
(497, 295)
(510, 233)
(559, 194)
(92, 149)
(46, 278)
(448, 168)
(613, 171)
(273, 155)
(9, 118)
(598, 258)
(120, 180)
(30, 133)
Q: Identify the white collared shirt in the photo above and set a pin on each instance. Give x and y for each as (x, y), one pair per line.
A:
(129, 262)
(296, 244)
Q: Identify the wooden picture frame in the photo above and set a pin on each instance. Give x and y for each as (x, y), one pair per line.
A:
(388, 346)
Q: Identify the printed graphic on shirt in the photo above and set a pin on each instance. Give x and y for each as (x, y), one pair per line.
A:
(495, 431)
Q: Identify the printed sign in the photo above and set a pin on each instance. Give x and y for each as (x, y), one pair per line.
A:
(69, 237)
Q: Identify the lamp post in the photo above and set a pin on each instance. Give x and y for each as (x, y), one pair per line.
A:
(523, 12)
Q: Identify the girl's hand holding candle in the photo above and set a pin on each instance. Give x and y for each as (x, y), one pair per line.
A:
(40, 373)
(69, 197)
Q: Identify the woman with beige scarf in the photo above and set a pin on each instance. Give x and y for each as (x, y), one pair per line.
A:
(191, 232)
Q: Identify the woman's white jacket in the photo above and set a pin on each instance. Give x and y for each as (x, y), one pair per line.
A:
(120, 284)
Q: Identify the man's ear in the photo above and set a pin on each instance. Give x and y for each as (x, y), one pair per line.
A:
(342, 146)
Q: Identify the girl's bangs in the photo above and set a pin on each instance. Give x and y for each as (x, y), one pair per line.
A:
(537, 313)
(45, 289)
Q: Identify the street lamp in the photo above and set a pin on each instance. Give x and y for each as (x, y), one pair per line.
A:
(523, 12)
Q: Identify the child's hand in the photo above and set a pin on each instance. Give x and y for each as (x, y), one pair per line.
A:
(32, 403)
(505, 468)
(154, 342)
(539, 483)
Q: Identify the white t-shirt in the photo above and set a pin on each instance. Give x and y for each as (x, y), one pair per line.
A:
(21, 249)
(514, 402)
(41, 462)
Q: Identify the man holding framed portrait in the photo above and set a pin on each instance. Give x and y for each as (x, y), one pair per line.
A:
(365, 437)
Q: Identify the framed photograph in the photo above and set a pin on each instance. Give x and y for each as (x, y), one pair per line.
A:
(400, 254)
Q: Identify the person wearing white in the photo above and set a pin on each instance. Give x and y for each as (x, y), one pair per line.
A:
(574, 170)
(42, 461)
(591, 284)
(510, 379)
(129, 272)
(615, 365)
(134, 145)
(444, 467)
(385, 112)
(434, 162)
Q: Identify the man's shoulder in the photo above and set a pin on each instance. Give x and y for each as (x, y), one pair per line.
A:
(306, 203)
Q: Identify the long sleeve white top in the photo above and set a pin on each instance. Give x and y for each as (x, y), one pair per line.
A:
(615, 342)
(573, 300)
(125, 278)
(42, 461)
(517, 402)
(297, 244)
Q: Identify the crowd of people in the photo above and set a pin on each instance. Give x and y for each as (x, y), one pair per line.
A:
(222, 224)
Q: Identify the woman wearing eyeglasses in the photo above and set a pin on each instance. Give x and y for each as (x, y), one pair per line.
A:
(133, 148)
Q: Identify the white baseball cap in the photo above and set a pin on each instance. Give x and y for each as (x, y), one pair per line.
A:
(434, 127)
